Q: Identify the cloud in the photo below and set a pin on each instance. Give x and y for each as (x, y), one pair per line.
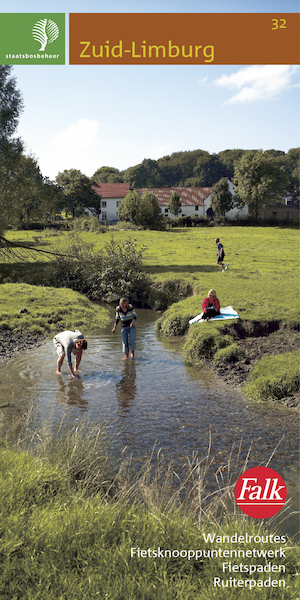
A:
(258, 82)
(78, 136)
(77, 147)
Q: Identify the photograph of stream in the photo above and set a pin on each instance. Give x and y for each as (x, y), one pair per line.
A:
(154, 400)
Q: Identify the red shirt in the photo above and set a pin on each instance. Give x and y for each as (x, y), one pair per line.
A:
(214, 301)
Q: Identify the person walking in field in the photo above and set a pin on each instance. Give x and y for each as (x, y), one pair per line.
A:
(68, 343)
(220, 255)
(127, 315)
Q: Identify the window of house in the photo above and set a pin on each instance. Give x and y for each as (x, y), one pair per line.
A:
(103, 203)
(104, 215)
(118, 203)
(166, 210)
(196, 207)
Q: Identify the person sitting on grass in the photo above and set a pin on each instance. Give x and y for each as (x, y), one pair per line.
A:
(127, 315)
(211, 306)
(67, 343)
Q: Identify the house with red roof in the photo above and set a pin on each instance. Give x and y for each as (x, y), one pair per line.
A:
(110, 197)
(194, 201)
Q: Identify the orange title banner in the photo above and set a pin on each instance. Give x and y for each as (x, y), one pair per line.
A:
(183, 38)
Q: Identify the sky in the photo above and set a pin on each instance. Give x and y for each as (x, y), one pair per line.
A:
(86, 117)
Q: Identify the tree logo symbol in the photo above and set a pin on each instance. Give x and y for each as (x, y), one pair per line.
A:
(45, 32)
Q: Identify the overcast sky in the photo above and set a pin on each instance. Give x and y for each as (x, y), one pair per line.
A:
(85, 117)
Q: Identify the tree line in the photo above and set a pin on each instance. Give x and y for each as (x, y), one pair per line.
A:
(27, 196)
(196, 168)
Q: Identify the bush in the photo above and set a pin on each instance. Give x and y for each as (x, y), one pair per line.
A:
(203, 341)
(187, 221)
(88, 224)
(175, 321)
(126, 225)
(165, 293)
(107, 274)
(274, 377)
(230, 354)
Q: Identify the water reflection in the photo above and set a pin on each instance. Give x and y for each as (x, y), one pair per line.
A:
(126, 388)
(70, 392)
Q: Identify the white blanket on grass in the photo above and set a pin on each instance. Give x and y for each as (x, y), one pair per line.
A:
(226, 313)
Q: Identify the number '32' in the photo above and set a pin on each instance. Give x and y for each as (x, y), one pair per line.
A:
(278, 24)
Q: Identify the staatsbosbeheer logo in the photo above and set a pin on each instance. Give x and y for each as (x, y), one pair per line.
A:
(45, 31)
(32, 39)
(260, 492)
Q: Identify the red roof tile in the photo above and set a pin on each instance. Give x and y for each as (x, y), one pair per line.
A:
(111, 190)
(188, 196)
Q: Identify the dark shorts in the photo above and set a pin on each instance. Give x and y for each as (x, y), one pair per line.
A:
(210, 312)
(220, 259)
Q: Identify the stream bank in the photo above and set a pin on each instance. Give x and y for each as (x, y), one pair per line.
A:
(255, 348)
(14, 342)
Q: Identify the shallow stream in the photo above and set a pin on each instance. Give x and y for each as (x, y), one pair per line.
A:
(154, 398)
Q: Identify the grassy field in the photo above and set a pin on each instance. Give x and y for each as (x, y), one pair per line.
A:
(60, 542)
(44, 310)
(261, 281)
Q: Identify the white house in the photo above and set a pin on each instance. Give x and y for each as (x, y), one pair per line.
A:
(194, 201)
(110, 196)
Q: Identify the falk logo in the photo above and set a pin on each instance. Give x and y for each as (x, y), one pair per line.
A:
(45, 31)
(260, 492)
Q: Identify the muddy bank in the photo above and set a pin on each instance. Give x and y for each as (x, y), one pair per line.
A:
(255, 348)
(12, 342)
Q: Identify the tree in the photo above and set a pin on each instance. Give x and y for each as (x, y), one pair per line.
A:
(129, 207)
(143, 211)
(77, 190)
(11, 105)
(260, 181)
(228, 157)
(291, 163)
(29, 195)
(149, 215)
(107, 175)
(174, 204)
(221, 198)
(209, 170)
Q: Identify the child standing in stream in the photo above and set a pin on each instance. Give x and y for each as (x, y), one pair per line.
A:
(127, 315)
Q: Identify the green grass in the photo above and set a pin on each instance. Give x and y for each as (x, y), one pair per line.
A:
(204, 341)
(230, 354)
(274, 377)
(58, 543)
(48, 309)
(263, 264)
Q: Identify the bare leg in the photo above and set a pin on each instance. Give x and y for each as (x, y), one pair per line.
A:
(60, 361)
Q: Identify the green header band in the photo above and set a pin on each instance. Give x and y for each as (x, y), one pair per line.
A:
(32, 38)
